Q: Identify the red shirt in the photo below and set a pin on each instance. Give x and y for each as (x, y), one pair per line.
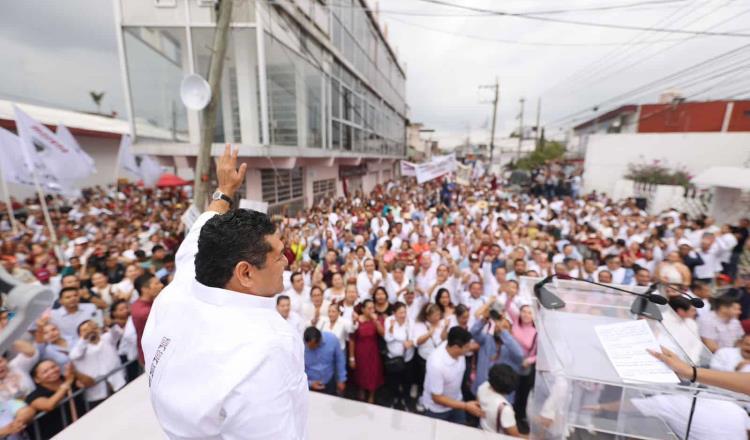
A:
(140, 311)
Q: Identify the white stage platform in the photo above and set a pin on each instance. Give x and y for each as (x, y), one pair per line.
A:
(128, 415)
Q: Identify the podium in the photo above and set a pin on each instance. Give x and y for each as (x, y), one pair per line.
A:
(579, 394)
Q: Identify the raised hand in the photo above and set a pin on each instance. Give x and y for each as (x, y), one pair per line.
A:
(230, 177)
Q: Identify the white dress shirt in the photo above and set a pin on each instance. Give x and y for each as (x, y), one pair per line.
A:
(97, 360)
(395, 340)
(222, 364)
(341, 329)
(443, 376)
(364, 284)
(296, 299)
(727, 359)
(426, 349)
(68, 323)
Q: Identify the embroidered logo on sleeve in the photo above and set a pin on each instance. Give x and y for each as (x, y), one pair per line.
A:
(159, 352)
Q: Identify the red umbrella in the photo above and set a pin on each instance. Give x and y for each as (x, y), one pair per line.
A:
(168, 180)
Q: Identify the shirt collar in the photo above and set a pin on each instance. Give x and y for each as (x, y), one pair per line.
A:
(224, 297)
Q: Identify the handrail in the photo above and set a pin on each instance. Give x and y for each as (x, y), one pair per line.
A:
(61, 405)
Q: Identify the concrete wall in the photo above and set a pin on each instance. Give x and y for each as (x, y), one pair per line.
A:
(608, 156)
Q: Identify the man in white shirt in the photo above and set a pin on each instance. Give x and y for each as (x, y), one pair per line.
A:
(474, 300)
(72, 313)
(721, 328)
(221, 362)
(733, 358)
(284, 307)
(368, 279)
(95, 355)
(298, 293)
(444, 373)
(493, 398)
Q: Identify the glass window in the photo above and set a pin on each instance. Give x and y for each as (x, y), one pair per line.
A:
(281, 68)
(335, 135)
(335, 99)
(346, 138)
(155, 73)
(313, 84)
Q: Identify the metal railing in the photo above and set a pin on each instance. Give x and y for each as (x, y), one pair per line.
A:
(34, 428)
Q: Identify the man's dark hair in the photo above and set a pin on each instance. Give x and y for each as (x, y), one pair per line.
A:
(503, 379)
(294, 275)
(312, 334)
(78, 330)
(157, 247)
(724, 301)
(458, 336)
(228, 239)
(67, 289)
(680, 303)
(281, 298)
(142, 281)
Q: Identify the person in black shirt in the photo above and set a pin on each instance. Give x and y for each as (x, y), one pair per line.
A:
(51, 389)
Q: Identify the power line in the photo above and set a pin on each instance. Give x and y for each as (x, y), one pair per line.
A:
(584, 23)
(656, 83)
(630, 65)
(613, 54)
(638, 5)
(523, 43)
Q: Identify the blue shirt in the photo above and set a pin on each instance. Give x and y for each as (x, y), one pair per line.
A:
(321, 363)
(510, 352)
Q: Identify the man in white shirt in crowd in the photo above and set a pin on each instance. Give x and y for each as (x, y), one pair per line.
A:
(733, 358)
(474, 300)
(499, 416)
(444, 374)
(368, 280)
(721, 328)
(709, 252)
(298, 293)
(284, 307)
(221, 362)
(72, 313)
(95, 355)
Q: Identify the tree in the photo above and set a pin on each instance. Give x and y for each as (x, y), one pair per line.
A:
(97, 98)
(546, 152)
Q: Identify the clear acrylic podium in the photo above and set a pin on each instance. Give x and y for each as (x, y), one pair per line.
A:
(578, 393)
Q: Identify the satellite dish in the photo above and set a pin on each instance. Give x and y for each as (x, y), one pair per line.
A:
(195, 92)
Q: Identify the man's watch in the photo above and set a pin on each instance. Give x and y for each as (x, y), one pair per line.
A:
(218, 195)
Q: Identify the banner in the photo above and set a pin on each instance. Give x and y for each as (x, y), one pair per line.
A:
(44, 149)
(66, 137)
(408, 168)
(438, 166)
(463, 174)
(12, 161)
(150, 170)
(125, 158)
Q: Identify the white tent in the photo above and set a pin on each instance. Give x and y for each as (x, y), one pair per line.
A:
(727, 177)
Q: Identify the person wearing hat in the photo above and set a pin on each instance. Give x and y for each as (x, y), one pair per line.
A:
(496, 346)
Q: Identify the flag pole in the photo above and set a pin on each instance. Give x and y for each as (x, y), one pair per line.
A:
(8, 204)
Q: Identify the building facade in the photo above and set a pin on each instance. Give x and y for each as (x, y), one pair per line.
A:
(312, 93)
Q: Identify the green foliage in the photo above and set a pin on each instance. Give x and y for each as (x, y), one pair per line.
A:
(540, 156)
(657, 173)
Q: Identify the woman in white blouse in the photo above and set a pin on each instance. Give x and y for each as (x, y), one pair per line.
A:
(399, 365)
(337, 291)
(337, 325)
(429, 332)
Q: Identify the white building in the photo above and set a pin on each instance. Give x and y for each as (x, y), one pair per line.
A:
(312, 93)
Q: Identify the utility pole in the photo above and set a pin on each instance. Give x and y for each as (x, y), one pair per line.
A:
(495, 101)
(520, 129)
(208, 120)
(537, 132)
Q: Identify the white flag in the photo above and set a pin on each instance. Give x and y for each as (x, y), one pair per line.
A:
(12, 162)
(150, 170)
(43, 147)
(125, 157)
(66, 137)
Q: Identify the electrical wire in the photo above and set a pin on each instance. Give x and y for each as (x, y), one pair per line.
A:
(584, 23)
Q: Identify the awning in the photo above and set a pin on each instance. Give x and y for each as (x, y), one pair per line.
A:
(168, 180)
(728, 177)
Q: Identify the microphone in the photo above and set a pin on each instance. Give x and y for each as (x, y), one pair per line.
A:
(546, 298)
(694, 300)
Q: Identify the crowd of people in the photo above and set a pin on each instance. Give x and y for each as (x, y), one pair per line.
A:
(406, 297)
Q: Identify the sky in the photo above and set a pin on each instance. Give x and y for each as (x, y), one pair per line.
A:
(55, 52)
